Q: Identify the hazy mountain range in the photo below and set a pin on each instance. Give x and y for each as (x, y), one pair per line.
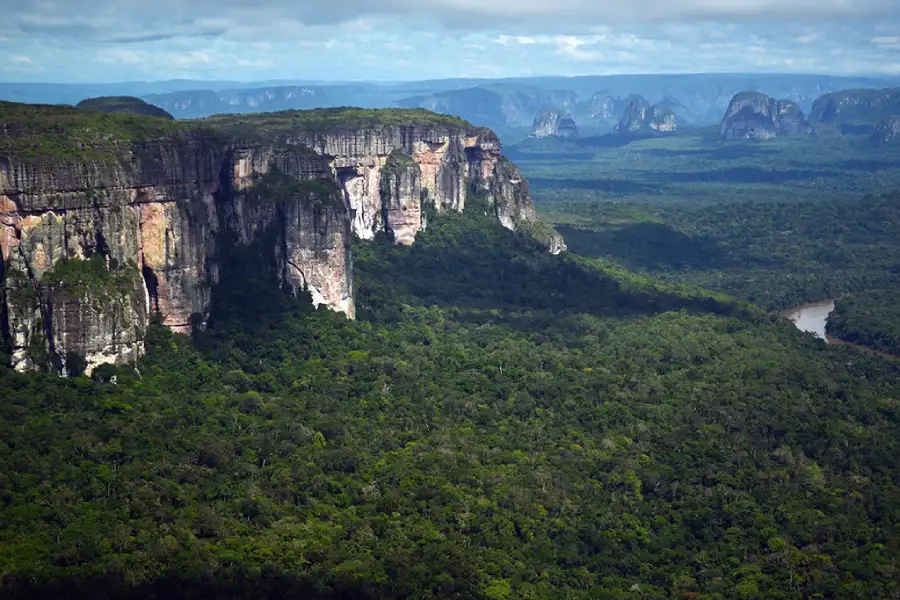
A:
(502, 104)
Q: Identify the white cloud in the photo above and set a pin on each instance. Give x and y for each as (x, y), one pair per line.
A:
(20, 60)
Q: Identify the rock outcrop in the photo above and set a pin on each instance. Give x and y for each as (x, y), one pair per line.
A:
(855, 111)
(641, 117)
(554, 123)
(99, 230)
(752, 115)
(604, 106)
(887, 131)
(682, 113)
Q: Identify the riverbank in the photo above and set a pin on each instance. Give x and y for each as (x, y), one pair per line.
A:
(813, 318)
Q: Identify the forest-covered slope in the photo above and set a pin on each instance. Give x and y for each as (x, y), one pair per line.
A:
(498, 423)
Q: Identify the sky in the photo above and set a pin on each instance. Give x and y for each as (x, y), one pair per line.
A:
(257, 40)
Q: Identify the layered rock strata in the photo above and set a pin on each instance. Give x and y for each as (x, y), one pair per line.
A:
(96, 240)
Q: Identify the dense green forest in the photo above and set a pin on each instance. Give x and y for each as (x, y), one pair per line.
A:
(870, 319)
(498, 423)
(774, 254)
(695, 168)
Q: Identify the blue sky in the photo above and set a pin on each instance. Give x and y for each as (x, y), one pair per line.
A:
(253, 40)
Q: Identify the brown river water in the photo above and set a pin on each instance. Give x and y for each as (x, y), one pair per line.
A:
(813, 318)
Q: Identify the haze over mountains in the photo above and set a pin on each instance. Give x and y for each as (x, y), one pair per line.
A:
(595, 102)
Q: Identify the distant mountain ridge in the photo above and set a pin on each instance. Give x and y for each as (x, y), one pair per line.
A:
(595, 102)
(855, 110)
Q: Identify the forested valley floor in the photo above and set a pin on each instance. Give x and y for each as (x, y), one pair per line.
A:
(498, 423)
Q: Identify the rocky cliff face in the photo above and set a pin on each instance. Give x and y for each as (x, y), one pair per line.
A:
(641, 117)
(98, 235)
(604, 106)
(852, 111)
(554, 123)
(887, 131)
(752, 115)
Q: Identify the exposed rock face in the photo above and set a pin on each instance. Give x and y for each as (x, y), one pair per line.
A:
(682, 112)
(401, 196)
(887, 132)
(93, 245)
(604, 106)
(641, 117)
(554, 123)
(752, 115)
(147, 208)
(855, 111)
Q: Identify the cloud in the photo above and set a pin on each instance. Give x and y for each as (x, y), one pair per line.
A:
(20, 60)
(101, 40)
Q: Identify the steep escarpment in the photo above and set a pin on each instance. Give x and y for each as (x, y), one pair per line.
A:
(554, 123)
(641, 117)
(107, 219)
(752, 115)
(887, 131)
(855, 111)
(452, 157)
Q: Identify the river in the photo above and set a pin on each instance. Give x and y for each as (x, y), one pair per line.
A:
(813, 318)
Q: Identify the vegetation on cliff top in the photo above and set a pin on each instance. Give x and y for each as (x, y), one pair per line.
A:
(30, 132)
(123, 105)
(327, 119)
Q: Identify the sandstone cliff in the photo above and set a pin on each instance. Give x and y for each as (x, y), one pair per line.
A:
(641, 117)
(553, 123)
(107, 219)
(752, 115)
(855, 111)
(887, 131)
(604, 106)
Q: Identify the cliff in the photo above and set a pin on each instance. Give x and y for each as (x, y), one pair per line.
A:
(603, 106)
(887, 132)
(752, 115)
(855, 111)
(106, 219)
(641, 117)
(554, 123)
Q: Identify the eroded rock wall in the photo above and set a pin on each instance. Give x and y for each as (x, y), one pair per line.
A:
(153, 214)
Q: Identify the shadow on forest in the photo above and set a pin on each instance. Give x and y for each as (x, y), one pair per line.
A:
(646, 245)
(727, 152)
(869, 166)
(485, 273)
